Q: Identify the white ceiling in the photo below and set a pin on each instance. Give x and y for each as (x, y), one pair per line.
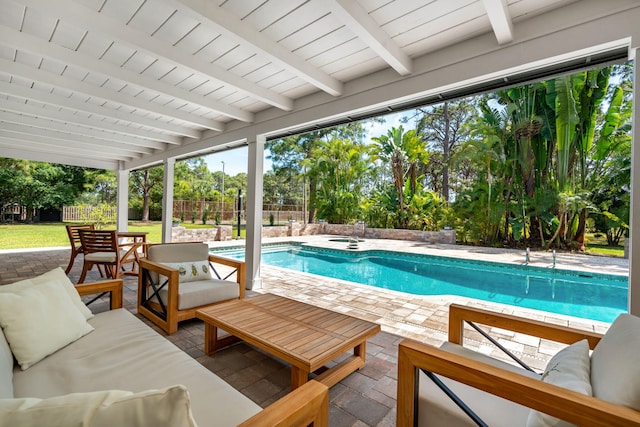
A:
(112, 83)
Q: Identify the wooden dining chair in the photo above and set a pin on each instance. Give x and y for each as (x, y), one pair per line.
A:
(100, 248)
(74, 239)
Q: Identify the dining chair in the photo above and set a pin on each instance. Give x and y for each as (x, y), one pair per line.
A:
(100, 247)
(74, 240)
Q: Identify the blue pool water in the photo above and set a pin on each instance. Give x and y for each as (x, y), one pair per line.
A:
(588, 295)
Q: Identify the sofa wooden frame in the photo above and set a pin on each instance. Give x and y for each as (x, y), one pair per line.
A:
(167, 316)
(304, 406)
(559, 402)
(112, 287)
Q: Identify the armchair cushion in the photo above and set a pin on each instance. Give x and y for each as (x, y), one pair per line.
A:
(153, 408)
(614, 363)
(436, 408)
(191, 271)
(195, 294)
(101, 257)
(39, 320)
(569, 368)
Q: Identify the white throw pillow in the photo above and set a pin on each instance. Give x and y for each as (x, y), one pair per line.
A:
(57, 275)
(569, 368)
(614, 363)
(191, 271)
(168, 407)
(39, 320)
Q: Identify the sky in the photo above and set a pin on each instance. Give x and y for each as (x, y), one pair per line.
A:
(235, 161)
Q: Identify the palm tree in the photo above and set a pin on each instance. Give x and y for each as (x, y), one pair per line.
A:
(404, 152)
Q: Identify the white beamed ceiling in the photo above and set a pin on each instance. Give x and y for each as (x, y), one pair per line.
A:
(108, 83)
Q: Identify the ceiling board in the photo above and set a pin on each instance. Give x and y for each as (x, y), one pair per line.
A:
(158, 71)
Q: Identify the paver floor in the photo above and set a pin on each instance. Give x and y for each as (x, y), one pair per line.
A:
(367, 397)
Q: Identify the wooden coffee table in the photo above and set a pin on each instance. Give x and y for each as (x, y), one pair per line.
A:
(307, 337)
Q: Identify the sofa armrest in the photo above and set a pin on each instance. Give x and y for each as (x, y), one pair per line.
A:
(240, 266)
(458, 314)
(114, 287)
(559, 402)
(308, 404)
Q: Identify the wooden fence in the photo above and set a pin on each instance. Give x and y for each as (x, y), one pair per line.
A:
(186, 209)
(89, 213)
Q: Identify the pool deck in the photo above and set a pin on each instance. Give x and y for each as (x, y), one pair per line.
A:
(366, 397)
(425, 318)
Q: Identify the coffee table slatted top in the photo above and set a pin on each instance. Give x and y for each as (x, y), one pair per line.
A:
(308, 337)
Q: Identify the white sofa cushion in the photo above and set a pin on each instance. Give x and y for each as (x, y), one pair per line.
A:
(124, 353)
(168, 407)
(614, 363)
(6, 368)
(195, 294)
(39, 320)
(191, 271)
(436, 409)
(57, 275)
(569, 368)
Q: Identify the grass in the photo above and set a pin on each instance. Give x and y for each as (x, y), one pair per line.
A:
(596, 244)
(18, 236)
(24, 236)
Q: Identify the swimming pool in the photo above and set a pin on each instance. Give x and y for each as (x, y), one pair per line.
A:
(588, 295)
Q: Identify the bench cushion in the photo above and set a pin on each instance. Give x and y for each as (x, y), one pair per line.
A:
(125, 354)
(56, 275)
(6, 368)
(168, 407)
(39, 320)
(569, 368)
(614, 363)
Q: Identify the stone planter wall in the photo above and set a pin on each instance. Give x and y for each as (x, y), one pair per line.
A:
(360, 230)
(223, 232)
(181, 234)
(276, 231)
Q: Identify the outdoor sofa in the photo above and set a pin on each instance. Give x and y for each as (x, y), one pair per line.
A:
(115, 370)
(594, 381)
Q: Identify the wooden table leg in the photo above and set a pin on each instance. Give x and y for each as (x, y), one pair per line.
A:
(298, 377)
(210, 339)
(337, 373)
(212, 342)
(361, 351)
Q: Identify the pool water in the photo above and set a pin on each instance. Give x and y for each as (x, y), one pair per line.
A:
(588, 295)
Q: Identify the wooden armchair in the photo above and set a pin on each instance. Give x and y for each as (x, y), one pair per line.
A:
(505, 395)
(74, 240)
(100, 248)
(176, 279)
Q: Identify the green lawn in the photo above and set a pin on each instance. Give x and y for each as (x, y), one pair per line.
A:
(18, 236)
(597, 244)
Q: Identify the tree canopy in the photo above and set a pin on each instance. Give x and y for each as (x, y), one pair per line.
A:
(537, 165)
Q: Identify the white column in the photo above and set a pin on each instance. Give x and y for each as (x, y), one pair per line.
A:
(634, 215)
(254, 211)
(167, 199)
(122, 203)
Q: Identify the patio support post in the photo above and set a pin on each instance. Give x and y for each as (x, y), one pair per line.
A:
(122, 202)
(634, 215)
(167, 199)
(254, 211)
